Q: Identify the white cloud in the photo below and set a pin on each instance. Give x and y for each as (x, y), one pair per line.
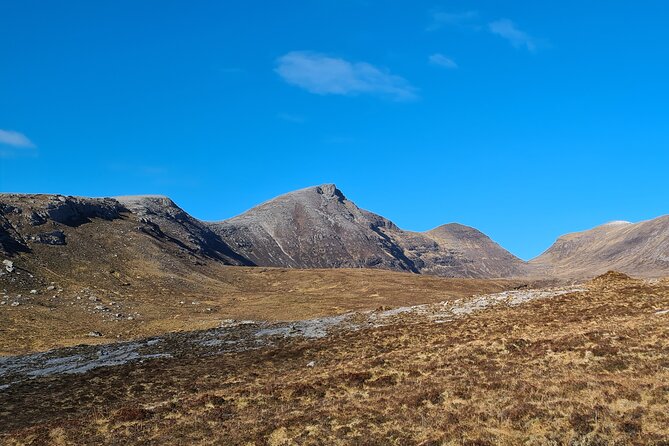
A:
(442, 61)
(506, 29)
(459, 19)
(15, 139)
(321, 74)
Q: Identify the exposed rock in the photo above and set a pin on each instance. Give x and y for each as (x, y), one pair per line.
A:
(94, 334)
(162, 219)
(11, 242)
(9, 265)
(74, 211)
(34, 219)
(55, 238)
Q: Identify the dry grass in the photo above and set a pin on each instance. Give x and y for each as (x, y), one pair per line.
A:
(588, 368)
(160, 303)
(148, 279)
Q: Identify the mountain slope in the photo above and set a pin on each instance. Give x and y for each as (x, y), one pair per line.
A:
(489, 258)
(639, 249)
(318, 227)
(104, 241)
(164, 219)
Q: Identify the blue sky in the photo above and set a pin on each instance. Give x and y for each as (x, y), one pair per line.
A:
(524, 119)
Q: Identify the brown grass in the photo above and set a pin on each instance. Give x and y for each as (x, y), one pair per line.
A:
(210, 294)
(588, 368)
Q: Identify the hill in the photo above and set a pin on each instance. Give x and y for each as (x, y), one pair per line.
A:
(638, 249)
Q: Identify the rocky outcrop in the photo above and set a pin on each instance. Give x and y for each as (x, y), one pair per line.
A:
(162, 219)
(29, 220)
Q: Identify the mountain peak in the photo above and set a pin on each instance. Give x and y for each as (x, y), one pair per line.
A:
(318, 227)
(330, 190)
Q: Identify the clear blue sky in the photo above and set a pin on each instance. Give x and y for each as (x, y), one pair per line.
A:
(524, 119)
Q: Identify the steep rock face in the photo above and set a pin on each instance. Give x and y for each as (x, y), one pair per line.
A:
(640, 249)
(28, 221)
(162, 219)
(26, 218)
(318, 227)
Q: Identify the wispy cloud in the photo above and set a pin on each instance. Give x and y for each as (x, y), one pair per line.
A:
(508, 30)
(321, 74)
(442, 61)
(15, 144)
(471, 20)
(458, 19)
(15, 139)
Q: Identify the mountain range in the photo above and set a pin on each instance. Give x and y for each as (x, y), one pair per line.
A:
(315, 227)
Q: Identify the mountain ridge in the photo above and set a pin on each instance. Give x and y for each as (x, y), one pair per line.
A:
(640, 248)
(319, 227)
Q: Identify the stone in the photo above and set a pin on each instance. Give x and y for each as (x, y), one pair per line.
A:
(54, 238)
(94, 334)
(34, 219)
(9, 265)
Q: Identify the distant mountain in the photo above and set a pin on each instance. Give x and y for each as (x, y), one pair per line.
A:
(488, 258)
(318, 227)
(638, 249)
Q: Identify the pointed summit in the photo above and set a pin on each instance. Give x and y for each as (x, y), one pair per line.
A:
(318, 227)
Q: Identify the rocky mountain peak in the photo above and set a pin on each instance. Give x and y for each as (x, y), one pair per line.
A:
(330, 191)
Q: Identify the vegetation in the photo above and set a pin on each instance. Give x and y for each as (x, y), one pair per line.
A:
(587, 368)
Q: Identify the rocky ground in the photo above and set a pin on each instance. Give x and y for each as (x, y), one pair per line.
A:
(586, 366)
